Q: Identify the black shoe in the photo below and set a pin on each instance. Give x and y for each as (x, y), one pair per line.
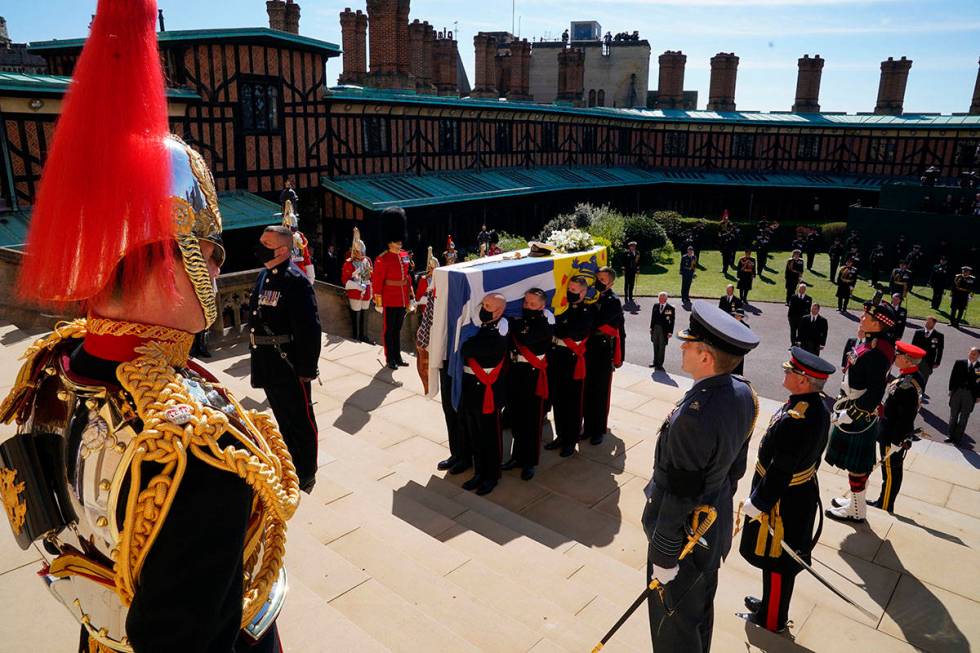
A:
(597, 439)
(510, 464)
(752, 604)
(760, 621)
(554, 444)
(486, 487)
(874, 504)
(652, 365)
(472, 484)
(392, 365)
(527, 473)
(401, 363)
(446, 464)
(567, 451)
(306, 485)
(460, 467)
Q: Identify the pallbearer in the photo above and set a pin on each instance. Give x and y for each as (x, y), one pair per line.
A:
(785, 494)
(484, 358)
(603, 354)
(903, 397)
(567, 366)
(527, 380)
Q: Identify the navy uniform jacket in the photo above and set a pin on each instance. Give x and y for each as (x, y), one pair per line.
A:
(687, 265)
(932, 343)
(939, 278)
(901, 405)
(283, 304)
(488, 348)
(901, 318)
(608, 311)
(700, 457)
(576, 322)
(631, 261)
(533, 332)
(784, 486)
(793, 272)
(866, 369)
(962, 289)
(746, 272)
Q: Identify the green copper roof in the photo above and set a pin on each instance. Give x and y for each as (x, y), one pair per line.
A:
(782, 119)
(239, 210)
(407, 190)
(56, 85)
(244, 34)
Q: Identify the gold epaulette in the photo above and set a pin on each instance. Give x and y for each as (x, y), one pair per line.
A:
(799, 410)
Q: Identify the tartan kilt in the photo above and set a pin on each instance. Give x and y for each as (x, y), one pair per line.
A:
(854, 449)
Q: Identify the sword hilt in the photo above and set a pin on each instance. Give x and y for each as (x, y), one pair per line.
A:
(703, 518)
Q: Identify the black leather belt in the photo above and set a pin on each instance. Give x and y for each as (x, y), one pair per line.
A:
(269, 340)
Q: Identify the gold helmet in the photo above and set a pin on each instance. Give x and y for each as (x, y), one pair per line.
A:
(357, 245)
(431, 262)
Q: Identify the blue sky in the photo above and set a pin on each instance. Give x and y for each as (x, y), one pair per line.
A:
(942, 37)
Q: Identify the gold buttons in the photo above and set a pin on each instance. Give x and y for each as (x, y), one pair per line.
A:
(101, 522)
(63, 395)
(104, 485)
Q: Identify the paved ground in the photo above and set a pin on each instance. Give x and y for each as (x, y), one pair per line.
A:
(762, 366)
(388, 555)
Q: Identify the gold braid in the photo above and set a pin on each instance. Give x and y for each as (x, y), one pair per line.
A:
(263, 463)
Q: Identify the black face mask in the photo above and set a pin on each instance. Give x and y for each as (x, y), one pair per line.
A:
(530, 313)
(485, 315)
(263, 253)
(573, 297)
(600, 287)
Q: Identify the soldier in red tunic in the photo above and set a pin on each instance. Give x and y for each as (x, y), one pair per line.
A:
(392, 283)
(356, 279)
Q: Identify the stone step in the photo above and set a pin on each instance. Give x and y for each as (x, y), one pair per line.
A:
(468, 615)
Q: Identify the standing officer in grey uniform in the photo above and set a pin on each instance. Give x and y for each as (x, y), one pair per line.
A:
(699, 459)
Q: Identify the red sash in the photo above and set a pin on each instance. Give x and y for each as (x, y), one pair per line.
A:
(579, 351)
(487, 380)
(612, 332)
(538, 363)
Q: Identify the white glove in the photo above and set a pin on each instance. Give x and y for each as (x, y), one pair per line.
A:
(749, 509)
(841, 417)
(665, 575)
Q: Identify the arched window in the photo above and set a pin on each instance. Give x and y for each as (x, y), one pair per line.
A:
(592, 97)
(602, 98)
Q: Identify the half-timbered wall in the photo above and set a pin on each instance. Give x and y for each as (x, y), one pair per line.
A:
(378, 138)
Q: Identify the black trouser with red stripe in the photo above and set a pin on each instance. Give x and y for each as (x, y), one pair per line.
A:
(526, 410)
(566, 394)
(777, 590)
(394, 317)
(483, 434)
(598, 385)
(292, 405)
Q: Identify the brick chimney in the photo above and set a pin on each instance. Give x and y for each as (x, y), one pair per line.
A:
(292, 17)
(485, 69)
(444, 55)
(388, 54)
(571, 75)
(520, 70)
(670, 91)
(891, 88)
(353, 38)
(721, 91)
(420, 57)
(808, 84)
(277, 14)
(975, 105)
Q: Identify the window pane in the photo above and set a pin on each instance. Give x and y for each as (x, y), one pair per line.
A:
(273, 98)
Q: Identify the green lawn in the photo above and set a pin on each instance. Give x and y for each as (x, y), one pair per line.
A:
(710, 283)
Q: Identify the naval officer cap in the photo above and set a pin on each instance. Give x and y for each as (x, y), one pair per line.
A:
(713, 326)
(803, 362)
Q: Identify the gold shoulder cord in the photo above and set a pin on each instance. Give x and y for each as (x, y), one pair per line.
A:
(262, 461)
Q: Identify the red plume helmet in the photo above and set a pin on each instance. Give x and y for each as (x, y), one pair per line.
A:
(103, 214)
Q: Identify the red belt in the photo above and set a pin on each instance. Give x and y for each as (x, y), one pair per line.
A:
(487, 380)
(579, 351)
(612, 332)
(538, 363)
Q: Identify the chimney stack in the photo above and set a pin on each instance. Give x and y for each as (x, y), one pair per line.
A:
(389, 59)
(420, 56)
(292, 17)
(721, 92)
(670, 90)
(520, 70)
(444, 56)
(160, 21)
(891, 88)
(975, 105)
(571, 75)
(485, 52)
(808, 84)
(353, 30)
(401, 21)
(277, 14)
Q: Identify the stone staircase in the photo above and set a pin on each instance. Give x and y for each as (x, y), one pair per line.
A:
(389, 555)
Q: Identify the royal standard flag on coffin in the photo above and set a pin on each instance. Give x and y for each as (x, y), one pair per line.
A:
(461, 288)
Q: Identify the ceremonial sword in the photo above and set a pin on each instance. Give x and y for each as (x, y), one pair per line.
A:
(704, 516)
